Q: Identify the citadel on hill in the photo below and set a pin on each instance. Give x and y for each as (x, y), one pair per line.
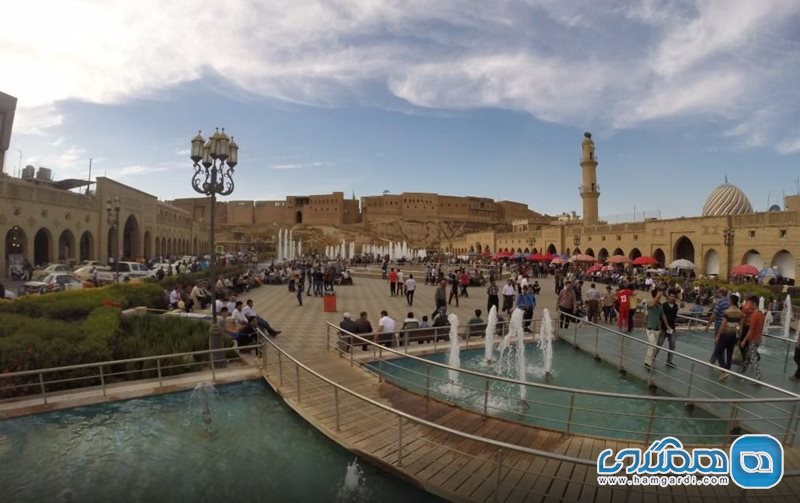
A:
(44, 220)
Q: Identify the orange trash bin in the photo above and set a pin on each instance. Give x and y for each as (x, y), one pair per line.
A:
(329, 303)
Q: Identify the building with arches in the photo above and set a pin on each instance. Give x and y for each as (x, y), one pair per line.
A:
(727, 233)
(43, 221)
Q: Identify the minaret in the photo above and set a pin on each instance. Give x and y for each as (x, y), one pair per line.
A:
(590, 190)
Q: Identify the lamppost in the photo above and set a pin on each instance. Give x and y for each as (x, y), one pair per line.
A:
(214, 161)
(112, 208)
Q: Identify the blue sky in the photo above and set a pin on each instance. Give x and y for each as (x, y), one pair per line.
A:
(455, 97)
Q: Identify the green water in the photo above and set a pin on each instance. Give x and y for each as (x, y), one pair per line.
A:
(600, 416)
(159, 449)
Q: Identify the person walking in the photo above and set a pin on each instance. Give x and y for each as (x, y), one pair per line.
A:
(670, 308)
(464, 280)
(526, 302)
(566, 304)
(493, 298)
(593, 303)
(392, 283)
(752, 340)
(655, 318)
(623, 299)
(410, 287)
(453, 289)
(727, 336)
(508, 296)
(440, 298)
(722, 303)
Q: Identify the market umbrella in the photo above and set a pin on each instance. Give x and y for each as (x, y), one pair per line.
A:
(559, 260)
(595, 268)
(608, 268)
(682, 264)
(503, 254)
(618, 259)
(744, 270)
(644, 260)
(582, 258)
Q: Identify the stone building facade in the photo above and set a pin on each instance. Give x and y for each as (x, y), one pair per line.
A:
(728, 233)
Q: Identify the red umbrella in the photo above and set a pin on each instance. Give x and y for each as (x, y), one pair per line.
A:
(595, 268)
(486, 253)
(558, 260)
(503, 254)
(645, 260)
(618, 259)
(744, 270)
(582, 258)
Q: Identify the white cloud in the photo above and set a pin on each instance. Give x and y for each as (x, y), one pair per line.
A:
(137, 170)
(315, 164)
(609, 63)
(789, 146)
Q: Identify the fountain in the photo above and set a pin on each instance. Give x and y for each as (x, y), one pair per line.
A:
(491, 326)
(546, 342)
(200, 403)
(354, 486)
(455, 358)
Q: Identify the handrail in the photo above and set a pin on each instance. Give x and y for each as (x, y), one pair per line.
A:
(776, 337)
(116, 362)
(425, 422)
(689, 358)
(562, 388)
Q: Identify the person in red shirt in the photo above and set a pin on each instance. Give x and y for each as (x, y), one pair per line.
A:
(623, 300)
(392, 282)
(464, 280)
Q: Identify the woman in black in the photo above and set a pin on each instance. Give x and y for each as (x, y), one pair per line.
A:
(494, 296)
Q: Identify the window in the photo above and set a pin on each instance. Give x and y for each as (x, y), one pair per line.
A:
(751, 234)
(783, 233)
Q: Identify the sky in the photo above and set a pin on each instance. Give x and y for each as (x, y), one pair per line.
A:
(481, 98)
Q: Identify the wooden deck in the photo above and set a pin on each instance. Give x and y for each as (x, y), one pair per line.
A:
(459, 469)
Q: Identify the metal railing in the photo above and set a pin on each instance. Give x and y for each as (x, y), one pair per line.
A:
(571, 410)
(404, 440)
(106, 374)
(745, 402)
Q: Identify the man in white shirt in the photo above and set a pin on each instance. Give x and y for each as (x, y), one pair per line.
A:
(410, 286)
(400, 281)
(508, 296)
(249, 312)
(386, 325)
(219, 305)
(237, 316)
(174, 298)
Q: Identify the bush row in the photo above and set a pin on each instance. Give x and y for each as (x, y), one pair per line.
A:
(76, 305)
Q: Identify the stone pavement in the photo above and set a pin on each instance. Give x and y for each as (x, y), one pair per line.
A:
(304, 327)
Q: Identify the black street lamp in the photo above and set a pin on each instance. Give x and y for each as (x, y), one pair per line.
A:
(112, 209)
(214, 161)
(728, 235)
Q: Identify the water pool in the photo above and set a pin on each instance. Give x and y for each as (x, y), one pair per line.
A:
(615, 418)
(160, 449)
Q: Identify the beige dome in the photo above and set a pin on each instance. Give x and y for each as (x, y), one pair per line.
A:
(727, 199)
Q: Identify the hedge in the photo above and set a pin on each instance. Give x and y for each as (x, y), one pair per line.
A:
(75, 305)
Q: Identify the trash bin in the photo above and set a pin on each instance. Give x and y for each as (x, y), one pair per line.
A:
(329, 303)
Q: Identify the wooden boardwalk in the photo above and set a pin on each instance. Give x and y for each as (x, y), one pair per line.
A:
(443, 463)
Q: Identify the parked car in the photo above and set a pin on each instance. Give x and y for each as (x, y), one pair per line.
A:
(86, 273)
(39, 274)
(127, 271)
(56, 282)
(88, 263)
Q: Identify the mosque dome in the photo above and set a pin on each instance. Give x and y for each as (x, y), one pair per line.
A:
(727, 199)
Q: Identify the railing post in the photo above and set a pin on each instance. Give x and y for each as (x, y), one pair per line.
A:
(297, 379)
(571, 409)
(158, 369)
(213, 367)
(787, 436)
(280, 367)
(650, 422)
(405, 341)
(731, 422)
(575, 333)
(499, 471)
(399, 441)
(486, 398)
(41, 385)
(352, 350)
(621, 351)
(786, 360)
(691, 380)
(327, 337)
(264, 355)
(336, 403)
(427, 387)
(435, 337)
(596, 342)
(102, 380)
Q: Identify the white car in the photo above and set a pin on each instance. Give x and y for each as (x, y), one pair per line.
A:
(38, 274)
(127, 271)
(54, 283)
(86, 273)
